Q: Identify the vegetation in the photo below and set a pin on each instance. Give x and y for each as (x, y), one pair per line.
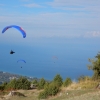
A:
(41, 83)
(67, 82)
(57, 88)
(7, 77)
(95, 66)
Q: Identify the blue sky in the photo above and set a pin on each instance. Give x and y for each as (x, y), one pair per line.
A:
(54, 18)
(62, 28)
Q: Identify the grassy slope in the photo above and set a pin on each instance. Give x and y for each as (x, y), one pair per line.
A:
(63, 95)
(76, 91)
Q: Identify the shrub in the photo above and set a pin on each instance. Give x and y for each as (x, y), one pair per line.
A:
(58, 80)
(67, 82)
(41, 84)
(43, 95)
(53, 89)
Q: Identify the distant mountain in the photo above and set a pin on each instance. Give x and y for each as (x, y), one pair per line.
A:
(6, 77)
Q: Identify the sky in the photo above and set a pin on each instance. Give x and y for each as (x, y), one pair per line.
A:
(66, 32)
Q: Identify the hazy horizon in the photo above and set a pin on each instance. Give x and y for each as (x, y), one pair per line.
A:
(61, 36)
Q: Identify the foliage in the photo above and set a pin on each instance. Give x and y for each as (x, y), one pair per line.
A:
(58, 80)
(53, 89)
(83, 78)
(50, 89)
(35, 82)
(95, 66)
(43, 95)
(2, 86)
(67, 82)
(21, 83)
(41, 83)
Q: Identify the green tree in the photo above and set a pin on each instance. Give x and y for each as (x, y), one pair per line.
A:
(53, 89)
(23, 83)
(43, 95)
(3, 86)
(41, 83)
(58, 80)
(67, 82)
(12, 84)
(50, 89)
(35, 82)
(95, 66)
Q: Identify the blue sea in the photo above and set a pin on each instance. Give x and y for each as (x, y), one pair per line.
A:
(46, 58)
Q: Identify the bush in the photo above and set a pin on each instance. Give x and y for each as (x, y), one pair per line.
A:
(41, 84)
(43, 95)
(49, 90)
(21, 83)
(53, 89)
(67, 82)
(58, 80)
(1, 88)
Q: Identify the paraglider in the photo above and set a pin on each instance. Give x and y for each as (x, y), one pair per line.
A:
(21, 60)
(11, 52)
(17, 27)
(55, 58)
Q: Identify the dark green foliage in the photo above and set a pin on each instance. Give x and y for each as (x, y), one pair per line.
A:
(12, 84)
(21, 83)
(49, 90)
(41, 83)
(2, 86)
(53, 89)
(35, 82)
(67, 82)
(58, 80)
(95, 66)
(43, 95)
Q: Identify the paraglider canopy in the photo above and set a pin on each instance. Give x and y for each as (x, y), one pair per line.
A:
(17, 27)
(21, 60)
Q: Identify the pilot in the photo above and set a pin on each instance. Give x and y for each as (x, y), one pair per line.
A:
(11, 52)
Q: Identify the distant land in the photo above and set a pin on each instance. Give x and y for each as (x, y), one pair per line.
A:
(6, 77)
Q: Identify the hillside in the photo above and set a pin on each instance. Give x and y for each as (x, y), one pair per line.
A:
(88, 94)
(6, 77)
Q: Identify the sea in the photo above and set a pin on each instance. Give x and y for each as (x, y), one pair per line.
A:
(48, 57)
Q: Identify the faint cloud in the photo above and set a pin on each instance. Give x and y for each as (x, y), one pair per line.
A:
(92, 34)
(76, 5)
(33, 5)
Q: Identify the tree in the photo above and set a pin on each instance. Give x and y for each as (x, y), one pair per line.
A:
(53, 89)
(50, 89)
(2, 86)
(12, 84)
(35, 83)
(41, 83)
(95, 66)
(58, 80)
(23, 83)
(67, 82)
